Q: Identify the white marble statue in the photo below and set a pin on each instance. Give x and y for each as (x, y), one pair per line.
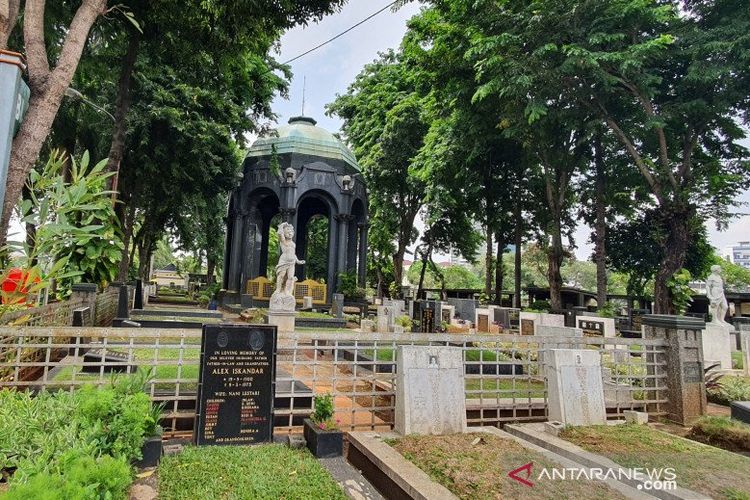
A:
(283, 297)
(717, 302)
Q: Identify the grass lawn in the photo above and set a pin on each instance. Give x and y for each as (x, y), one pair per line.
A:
(188, 319)
(737, 362)
(523, 388)
(707, 470)
(143, 357)
(481, 471)
(245, 472)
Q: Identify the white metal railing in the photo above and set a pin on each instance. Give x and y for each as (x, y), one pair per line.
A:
(504, 373)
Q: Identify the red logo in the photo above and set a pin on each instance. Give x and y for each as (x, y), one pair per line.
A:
(525, 481)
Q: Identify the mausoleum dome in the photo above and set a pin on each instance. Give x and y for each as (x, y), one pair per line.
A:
(302, 136)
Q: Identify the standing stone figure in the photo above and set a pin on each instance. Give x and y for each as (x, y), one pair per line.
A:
(283, 297)
(715, 293)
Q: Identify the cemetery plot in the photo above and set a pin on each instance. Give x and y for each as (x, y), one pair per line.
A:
(262, 471)
(477, 465)
(705, 469)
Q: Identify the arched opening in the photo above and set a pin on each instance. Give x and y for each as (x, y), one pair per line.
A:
(264, 209)
(314, 236)
(316, 245)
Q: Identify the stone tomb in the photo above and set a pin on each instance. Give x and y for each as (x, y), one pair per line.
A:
(530, 321)
(427, 317)
(236, 385)
(596, 326)
(509, 318)
(464, 308)
(385, 319)
(429, 390)
(575, 388)
(482, 320)
(556, 331)
(447, 312)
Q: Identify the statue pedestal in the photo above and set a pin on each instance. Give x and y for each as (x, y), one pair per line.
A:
(284, 320)
(281, 312)
(717, 346)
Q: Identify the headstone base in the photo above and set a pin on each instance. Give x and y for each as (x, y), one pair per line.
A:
(284, 320)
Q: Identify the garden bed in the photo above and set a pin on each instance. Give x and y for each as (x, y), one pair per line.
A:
(705, 469)
(481, 470)
(243, 472)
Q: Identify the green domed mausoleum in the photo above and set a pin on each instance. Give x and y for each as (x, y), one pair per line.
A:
(298, 173)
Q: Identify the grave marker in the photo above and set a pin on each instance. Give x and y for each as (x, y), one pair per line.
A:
(236, 385)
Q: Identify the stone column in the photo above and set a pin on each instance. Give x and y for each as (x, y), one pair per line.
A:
(362, 262)
(684, 364)
(235, 254)
(343, 241)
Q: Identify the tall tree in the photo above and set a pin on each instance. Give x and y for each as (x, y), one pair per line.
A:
(669, 79)
(385, 122)
(48, 85)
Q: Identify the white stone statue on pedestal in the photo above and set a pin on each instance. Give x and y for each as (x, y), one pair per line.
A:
(717, 345)
(716, 299)
(283, 298)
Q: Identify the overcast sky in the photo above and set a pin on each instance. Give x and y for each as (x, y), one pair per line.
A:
(330, 70)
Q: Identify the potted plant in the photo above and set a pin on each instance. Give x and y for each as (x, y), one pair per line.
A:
(152, 446)
(322, 434)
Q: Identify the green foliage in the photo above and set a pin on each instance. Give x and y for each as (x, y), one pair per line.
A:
(682, 295)
(404, 321)
(316, 256)
(77, 236)
(347, 285)
(608, 310)
(540, 306)
(323, 414)
(80, 442)
(730, 389)
(455, 276)
(83, 477)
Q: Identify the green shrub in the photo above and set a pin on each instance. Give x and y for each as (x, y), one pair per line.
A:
(404, 321)
(348, 286)
(323, 415)
(75, 444)
(730, 389)
(540, 306)
(83, 478)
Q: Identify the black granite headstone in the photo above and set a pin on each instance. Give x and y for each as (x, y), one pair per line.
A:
(123, 308)
(138, 295)
(591, 328)
(236, 385)
(427, 316)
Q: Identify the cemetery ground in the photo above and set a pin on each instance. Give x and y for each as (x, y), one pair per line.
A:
(706, 469)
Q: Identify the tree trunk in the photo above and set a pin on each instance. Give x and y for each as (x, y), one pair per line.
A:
(554, 261)
(210, 270)
(488, 264)
(122, 105)
(127, 235)
(425, 257)
(47, 90)
(30, 228)
(398, 265)
(8, 17)
(499, 271)
(674, 250)
(517, 257)
(600, 226)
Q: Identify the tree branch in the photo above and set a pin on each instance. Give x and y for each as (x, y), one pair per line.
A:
(74, 43)
(33, 37)
(650, 179)
(8, 16)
